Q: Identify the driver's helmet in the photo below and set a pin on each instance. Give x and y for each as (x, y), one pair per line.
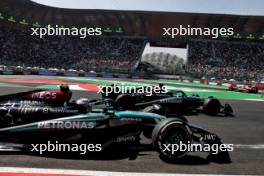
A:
(84, 103)
(64, 88)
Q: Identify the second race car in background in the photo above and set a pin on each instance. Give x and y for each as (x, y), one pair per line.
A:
(170, 103)
(245, 89)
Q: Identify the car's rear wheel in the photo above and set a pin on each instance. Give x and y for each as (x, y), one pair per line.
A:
(168, 136)
(211, 106)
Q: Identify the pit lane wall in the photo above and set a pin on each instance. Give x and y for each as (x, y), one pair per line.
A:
(260, 86)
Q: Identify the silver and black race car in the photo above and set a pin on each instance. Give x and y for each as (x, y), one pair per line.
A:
(26, 123)
(170, 103)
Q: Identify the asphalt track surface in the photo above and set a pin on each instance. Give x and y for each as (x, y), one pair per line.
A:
(247, 128)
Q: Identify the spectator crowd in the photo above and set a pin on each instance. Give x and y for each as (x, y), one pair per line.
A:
(206, 58)
(226, 59)
(19, 48)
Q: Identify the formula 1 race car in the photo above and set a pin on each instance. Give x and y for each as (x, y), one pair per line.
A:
(169, 103)
(244, 89)
(38, 124)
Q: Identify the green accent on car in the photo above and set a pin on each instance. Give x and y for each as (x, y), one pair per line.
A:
(135, 114)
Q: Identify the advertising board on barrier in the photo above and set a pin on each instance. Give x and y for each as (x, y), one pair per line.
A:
(27, 72)
(90, 75)
(47, 73)
(7, 72)
(70, 73)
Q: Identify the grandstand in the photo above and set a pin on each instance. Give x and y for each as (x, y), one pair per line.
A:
(125, 34)
(18, 47)
(224, 60)
(165, 62)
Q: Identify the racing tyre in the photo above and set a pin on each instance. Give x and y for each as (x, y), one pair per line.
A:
(168, 136)
(211, 106)
(124, 102)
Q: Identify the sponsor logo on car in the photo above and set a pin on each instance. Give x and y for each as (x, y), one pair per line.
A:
(66, 125)
(131, 119)
(44, 95)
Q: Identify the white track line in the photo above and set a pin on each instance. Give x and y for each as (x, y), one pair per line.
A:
(91, 173)
(254, 99)
(250, 146)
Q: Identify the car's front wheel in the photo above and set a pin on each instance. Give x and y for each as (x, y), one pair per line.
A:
(169, 137)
